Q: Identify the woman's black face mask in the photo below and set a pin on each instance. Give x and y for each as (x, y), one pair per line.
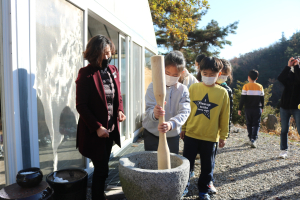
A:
(105, 63)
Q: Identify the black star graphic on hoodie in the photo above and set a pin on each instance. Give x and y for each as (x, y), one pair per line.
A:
(204, 106)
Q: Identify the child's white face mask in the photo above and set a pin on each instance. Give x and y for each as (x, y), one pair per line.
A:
(222, 79)
(171, 80)
(209, 80)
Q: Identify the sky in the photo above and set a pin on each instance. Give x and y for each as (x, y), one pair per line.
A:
(261, 22)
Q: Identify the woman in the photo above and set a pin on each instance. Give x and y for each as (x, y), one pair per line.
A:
(100, 106)
(290, 99)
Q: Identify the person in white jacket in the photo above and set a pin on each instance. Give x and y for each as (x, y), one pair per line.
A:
(187, 79)
(177, 107)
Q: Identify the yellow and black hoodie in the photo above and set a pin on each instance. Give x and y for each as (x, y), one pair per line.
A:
(209, 116)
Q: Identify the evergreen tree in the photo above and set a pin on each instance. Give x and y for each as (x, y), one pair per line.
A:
(176, 21)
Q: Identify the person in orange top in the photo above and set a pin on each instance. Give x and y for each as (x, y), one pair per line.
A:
(253, 98)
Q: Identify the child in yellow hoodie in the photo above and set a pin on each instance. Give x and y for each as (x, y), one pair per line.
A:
(208, 122)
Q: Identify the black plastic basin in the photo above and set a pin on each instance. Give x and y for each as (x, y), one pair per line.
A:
(75, 189)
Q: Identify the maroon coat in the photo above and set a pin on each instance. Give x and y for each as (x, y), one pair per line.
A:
(92, 108)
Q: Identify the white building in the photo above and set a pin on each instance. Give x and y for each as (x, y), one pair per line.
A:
(40, 54)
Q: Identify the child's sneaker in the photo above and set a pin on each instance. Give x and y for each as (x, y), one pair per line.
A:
(212, 189)
(283, 154)
(253, 144)
(249, 142)
(204, 196)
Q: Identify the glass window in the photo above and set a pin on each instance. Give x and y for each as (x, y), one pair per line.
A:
(123, 83)
(97, 28)
(137, 86)
(148, 71)
(2, 164)
(59, 27)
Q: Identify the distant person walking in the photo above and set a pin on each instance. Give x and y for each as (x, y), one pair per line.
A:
(100, 107)
(290, 99)
(253, 99)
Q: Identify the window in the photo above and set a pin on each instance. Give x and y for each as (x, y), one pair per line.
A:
(59, 57)
(123, 75)
(148, 71)
(2, 159)
(136, 89)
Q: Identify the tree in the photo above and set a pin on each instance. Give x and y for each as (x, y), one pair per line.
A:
(176, 23)
(207, 41)
(176, 18)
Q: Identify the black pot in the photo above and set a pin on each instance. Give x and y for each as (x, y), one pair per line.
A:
(29, 180)
(75, 189)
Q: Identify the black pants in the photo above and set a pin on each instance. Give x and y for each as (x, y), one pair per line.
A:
(216, 150)
(101, 170)
(253, 116)
(206, 150)
(151, 142)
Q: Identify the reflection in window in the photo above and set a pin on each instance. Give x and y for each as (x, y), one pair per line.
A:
(59, 27)
(136, 86)
(2, 164)
(148, 71)
(97, 28)
(123, 83)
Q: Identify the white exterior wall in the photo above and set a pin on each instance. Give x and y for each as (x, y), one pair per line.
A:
(132, 18)
(135, 14)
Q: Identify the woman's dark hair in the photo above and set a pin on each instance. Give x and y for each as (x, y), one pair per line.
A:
(198, 60)
(253, 74)
(175, 58)
(95, 49)
(227, 70)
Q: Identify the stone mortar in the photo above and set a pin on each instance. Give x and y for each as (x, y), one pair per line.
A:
(141, 180)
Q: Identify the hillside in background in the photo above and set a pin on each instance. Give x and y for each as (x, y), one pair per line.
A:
(269, 62)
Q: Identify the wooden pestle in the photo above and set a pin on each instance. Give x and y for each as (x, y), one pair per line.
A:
(159, 89)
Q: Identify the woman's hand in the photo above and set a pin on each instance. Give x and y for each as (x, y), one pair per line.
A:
(158, 111)
(164, 127)
(121, 116)
(221, 143)
(182, 134)
(102, 132)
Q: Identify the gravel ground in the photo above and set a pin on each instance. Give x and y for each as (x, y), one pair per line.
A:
(244, 173)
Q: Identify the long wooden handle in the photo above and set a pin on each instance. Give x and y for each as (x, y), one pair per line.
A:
(159, 89)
